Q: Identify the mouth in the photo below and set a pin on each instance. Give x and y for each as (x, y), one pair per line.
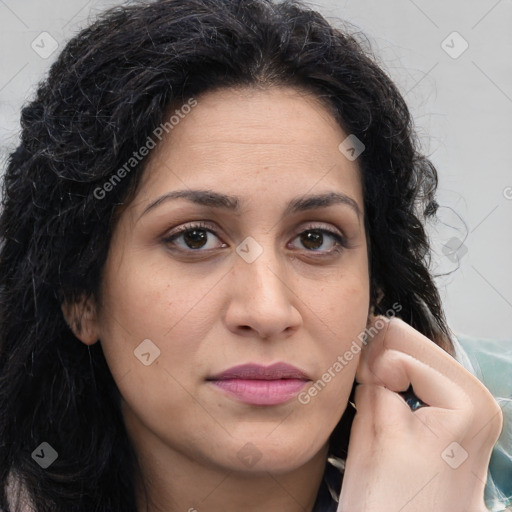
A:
(261, 385)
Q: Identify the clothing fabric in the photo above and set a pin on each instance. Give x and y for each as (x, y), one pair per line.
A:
(491, 361)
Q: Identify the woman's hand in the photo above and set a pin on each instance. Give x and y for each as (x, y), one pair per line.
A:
(433, 459)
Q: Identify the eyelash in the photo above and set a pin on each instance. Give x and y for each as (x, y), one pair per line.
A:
(341, 242)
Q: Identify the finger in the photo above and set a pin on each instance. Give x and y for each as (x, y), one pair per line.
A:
(383, 364)
(401, 337)
(450, 412)
(373, 402)
(397, 371)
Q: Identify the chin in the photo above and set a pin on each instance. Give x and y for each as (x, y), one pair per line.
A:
(277, 457)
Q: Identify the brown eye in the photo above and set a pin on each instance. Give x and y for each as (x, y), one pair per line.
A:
(312, 239)
(194, 238)
(321, 240)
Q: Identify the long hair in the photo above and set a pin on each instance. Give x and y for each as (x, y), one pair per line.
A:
(102, 99)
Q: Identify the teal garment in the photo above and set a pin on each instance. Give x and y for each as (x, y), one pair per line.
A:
(491, 361)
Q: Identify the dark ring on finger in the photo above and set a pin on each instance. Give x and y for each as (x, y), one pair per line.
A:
(412, 400)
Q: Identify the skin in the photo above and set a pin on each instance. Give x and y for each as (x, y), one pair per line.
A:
(301, 304)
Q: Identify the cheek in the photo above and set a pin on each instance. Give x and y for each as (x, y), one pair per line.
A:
(339, 314)
(144, 314)
(338, 336)
(341, 303)
(151, 300)
(151, 296)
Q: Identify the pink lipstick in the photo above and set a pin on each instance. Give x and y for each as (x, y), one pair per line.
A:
(261, 385)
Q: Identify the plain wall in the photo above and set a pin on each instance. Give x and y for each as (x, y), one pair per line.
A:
(461, 103)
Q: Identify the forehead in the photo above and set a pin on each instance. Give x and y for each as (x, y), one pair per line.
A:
(260, 140)
(277, 115)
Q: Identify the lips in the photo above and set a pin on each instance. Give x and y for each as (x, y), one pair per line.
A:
(260, 385)
(258, 372)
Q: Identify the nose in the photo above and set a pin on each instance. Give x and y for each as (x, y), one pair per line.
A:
(262, 298)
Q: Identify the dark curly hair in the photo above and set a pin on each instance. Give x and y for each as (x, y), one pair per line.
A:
(109, 89)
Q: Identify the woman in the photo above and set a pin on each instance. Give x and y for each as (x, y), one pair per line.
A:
(213, 218)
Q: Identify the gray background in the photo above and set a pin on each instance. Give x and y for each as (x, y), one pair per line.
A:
(461, 103)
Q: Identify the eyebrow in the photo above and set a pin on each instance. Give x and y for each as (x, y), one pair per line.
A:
(217, 200)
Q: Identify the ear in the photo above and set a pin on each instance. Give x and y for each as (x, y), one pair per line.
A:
(81, 317)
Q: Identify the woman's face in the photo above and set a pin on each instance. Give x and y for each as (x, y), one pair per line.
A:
(259, 277)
